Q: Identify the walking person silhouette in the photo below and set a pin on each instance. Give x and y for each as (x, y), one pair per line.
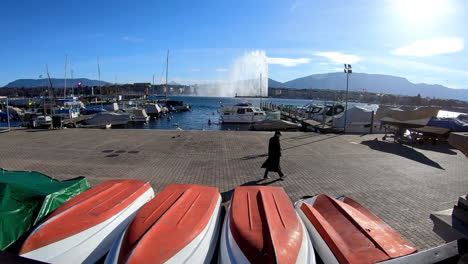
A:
(274, 155)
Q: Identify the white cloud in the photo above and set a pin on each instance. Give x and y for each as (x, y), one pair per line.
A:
(221, 70)
(338, 57)
(132, 39)
(415, 65)
(287, 62)
(431, 47)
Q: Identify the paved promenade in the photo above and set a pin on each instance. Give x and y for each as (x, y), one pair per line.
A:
(400, 184)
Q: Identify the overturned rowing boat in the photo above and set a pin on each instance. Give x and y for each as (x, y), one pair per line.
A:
(343, 231)
(82, 230)
(261, 226)
(180, 225)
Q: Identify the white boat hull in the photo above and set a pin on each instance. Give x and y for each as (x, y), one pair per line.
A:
(90, 245)
(199, 250)
(230, 252)
(320, 245)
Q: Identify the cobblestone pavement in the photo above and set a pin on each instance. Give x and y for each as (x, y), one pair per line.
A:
(399, 183)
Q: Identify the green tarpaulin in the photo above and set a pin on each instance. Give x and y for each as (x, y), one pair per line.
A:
(27, 197)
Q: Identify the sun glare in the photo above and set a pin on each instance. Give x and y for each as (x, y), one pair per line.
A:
(423, 11)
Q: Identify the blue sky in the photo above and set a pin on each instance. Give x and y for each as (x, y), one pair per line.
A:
(422, 40)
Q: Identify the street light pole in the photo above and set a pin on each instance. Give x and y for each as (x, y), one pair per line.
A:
(348, 70)
(8, 113)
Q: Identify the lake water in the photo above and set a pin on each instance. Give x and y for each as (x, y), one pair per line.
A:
(207, 108)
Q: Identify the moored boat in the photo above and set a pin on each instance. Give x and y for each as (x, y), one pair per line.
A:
(139, 115)
(104, 118)
(418, 117)
(83, 229)
(43, 121)
(323, 113)
(261, 226)
(358, 120)
(177, 106)
(343, 231)
(180, 225)
(242, 113)
(152, 109)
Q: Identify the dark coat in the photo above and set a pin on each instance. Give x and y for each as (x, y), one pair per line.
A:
(274, 154)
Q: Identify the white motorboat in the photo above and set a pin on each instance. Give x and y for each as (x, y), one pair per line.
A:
(66, 112)
(139, 115)
(43, 121)
(242, 113)
(323, 113)
(106, 118)
(152, 109)
(410, 117)
(111, 107)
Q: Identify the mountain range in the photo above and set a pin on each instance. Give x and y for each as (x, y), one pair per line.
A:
(56, 83)
(375, 83)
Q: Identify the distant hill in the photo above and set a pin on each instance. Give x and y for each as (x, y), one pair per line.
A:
(56, 83)
(375, 83)
(275, 84)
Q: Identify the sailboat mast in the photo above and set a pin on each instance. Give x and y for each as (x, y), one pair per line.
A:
(167, 65)
(99, 77)
(152, 86)
(65, 85)
(167, 68)
(51, 89)
(72, 85)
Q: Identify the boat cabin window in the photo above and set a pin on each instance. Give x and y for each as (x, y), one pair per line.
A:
(241, 111)
(338, 109)
(316, 110)
(333, 110)
(249, 110)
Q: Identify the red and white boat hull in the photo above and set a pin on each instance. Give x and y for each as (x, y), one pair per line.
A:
(343, 231)
(180, 225)
(261, 226)
(83, 229)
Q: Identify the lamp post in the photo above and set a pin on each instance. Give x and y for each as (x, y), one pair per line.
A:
(348, 70)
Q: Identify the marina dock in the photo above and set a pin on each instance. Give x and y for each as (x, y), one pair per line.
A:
(292, 113)
(401, 184)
